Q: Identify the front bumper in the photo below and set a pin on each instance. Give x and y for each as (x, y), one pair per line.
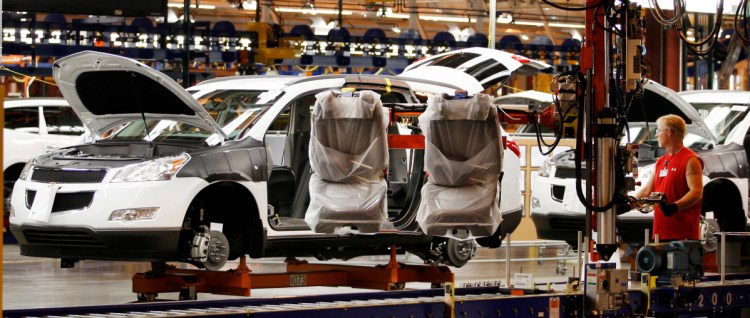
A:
(171, 197)
(84, 243)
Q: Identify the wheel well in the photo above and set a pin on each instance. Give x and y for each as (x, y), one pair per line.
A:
(234, 207)
(13, 171)
(723, 198)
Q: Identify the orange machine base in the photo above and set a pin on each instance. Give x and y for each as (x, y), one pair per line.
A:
(298, 273)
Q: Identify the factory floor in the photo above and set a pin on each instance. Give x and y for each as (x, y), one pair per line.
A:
(41, 283)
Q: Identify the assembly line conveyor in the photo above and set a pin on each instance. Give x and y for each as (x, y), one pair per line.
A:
(708, 298)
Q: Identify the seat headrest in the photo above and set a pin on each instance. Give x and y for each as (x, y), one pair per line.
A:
(331, 105)
(476, 108)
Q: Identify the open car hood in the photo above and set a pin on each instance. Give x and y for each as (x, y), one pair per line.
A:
(107, 90)
(659, 100)
(474, 69)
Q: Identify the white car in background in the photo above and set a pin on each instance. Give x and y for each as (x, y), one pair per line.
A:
(555, 209)
(34, 126)
(224, 163)
(726, 166)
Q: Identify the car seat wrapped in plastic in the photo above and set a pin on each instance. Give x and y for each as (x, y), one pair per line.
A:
(348, 156)
(463, 159)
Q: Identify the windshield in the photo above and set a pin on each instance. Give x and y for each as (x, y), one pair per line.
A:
(235, 110)
(640, 135)
(160, 130)
(721, 118)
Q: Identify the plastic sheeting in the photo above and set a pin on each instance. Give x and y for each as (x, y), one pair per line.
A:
(463, 158)
(348, 141)
(472, 207)
(348, 156)
(462, 140)
(357, 204)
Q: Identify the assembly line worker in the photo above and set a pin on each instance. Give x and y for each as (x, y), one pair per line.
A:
(678, 174)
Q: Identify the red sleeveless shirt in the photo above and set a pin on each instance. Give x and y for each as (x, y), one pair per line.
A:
(669, 178)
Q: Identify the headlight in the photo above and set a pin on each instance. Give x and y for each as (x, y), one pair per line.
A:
(131, 215)
(26, 169)
(545, 168)
(157, 169)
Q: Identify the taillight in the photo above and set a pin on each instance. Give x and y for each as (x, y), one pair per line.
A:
(513, 146)
(521, 59)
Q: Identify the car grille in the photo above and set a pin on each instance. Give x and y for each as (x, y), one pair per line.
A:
(64, 201)
(72, 201)
(567, 224)
(67, 176)
(558, 192)
(30, 195)
(565, 173)
(63, 237)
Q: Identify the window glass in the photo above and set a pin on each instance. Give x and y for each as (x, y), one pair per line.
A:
(454, 60)
(226, 105)
(236, 110)
(22, 118)
(160, 130)
(62, 121)
(487, 68)
(721, 117)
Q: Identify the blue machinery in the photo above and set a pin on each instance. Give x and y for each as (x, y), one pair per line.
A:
(707, 299)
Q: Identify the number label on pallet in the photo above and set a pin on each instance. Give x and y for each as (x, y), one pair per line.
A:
(296, 280)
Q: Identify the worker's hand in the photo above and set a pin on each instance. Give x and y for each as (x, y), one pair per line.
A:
(668, 209)
(639, 205)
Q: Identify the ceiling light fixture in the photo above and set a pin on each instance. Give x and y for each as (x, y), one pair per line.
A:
(388, 13)
(200, 6)
(249, 5)
(566, 25)
(531, 23)
(311, 11)
(446, 19)
(505, 18)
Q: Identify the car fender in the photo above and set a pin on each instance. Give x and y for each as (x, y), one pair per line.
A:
(720, 196)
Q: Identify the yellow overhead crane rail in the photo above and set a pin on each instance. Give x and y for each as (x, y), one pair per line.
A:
(280, 49)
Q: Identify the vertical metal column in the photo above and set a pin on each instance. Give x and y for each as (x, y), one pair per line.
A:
(340, 17)
(604, 146)
(507, 260)
(493, 23)
(186, 45)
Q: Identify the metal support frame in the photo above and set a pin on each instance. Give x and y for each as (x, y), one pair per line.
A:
(298, 273)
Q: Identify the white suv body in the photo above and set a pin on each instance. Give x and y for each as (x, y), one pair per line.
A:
(34, 126)
(555, 209)
(170, 176)
(726, 166)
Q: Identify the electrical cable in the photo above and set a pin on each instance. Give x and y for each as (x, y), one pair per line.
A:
(561, 7)
(681, 22)
(710, 39)
(558, 136)
(540, 140)
(3, 68)
(596, 21)
(741, 31)
(659, 15)
(578, 158)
